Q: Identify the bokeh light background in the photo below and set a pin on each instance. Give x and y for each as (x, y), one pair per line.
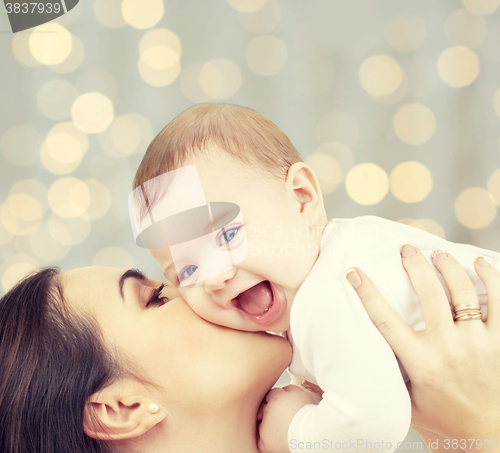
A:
(395, 105)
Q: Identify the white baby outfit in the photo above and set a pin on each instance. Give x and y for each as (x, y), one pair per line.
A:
(366, 406)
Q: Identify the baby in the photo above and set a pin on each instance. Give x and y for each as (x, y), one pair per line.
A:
(235, 218)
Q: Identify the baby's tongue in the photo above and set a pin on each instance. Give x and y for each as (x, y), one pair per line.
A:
(256, 299)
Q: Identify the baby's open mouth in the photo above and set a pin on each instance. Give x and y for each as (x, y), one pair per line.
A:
(257, 300)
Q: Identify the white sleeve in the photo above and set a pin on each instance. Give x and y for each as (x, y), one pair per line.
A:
(366, 405)
(393, 282)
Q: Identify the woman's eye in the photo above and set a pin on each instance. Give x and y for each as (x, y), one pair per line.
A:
(186, 273)
(155, 298)
(229, 235)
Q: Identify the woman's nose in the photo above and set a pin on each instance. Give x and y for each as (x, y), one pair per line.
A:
(219, 281)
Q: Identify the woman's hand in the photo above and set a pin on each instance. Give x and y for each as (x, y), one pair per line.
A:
(454, 367)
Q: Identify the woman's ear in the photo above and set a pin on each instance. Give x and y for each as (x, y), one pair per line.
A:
(303, 186)
(123, 410)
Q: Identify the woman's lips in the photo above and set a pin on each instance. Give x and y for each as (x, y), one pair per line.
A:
(260, 303)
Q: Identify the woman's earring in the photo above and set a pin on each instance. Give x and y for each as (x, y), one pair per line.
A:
(153, 408)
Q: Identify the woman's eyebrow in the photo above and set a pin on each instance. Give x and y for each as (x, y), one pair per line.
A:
(131, 273)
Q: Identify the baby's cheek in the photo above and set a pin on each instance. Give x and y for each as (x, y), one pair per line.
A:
(171, 292)
(203, 308)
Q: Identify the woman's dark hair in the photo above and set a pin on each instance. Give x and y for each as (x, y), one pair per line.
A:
(51, 362)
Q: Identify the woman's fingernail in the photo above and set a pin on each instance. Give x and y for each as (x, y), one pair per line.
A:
(407, 250)
(353, 278)
(482, 262)
(438, 255)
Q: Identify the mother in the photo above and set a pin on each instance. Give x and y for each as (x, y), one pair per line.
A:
(101, 360)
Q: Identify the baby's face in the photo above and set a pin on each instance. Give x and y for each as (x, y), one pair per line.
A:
(256, 293)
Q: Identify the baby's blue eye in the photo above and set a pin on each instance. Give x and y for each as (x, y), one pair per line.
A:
(188, 272)
(229, 235)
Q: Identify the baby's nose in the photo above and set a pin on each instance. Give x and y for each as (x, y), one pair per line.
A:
(218, 282)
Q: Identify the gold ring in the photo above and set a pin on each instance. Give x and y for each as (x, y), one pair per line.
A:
(475, 310)
(467, 316)
(467, 307)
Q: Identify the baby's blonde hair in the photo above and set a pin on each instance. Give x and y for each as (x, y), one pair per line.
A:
(239, 131)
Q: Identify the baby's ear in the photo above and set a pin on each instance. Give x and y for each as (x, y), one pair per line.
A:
(123, 410)
(303, 186)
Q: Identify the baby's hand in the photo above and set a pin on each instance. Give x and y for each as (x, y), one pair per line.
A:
(282, 405)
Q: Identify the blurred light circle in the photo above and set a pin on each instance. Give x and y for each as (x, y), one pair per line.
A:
(405, 32)
(55, 99)
(100, 199)
(414, 124)
(266, 55)
(55, 166)
(15, 272)
(161, 37)
(190, 83)
(327, 170)
(341, 153)
(475, 208)
(14, 224)
(45, 247)
(92, 112)
(125, 135)
(396, 96)
(338, 126)
(69, 197)
(113, 257)
(50, 43)
(313, 75)
(34, 189)
(69, 232)
(247, 6)
(142, 14)
(464, 28)
(130, 134)
(159, 64)
(5, 235)
(496, 101)
(220, 78)
(19, 145)
(494, 186)
(159, 77)
(262, 21)
(458, 66)
(481, 6)
(25, 207)
(367, 184)
(429, 225)
(410, 182)
(74, 59)
(97, 79)
(21, 49)
(380, 75)
(109, 13)
(160, 57)
(64, 148)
